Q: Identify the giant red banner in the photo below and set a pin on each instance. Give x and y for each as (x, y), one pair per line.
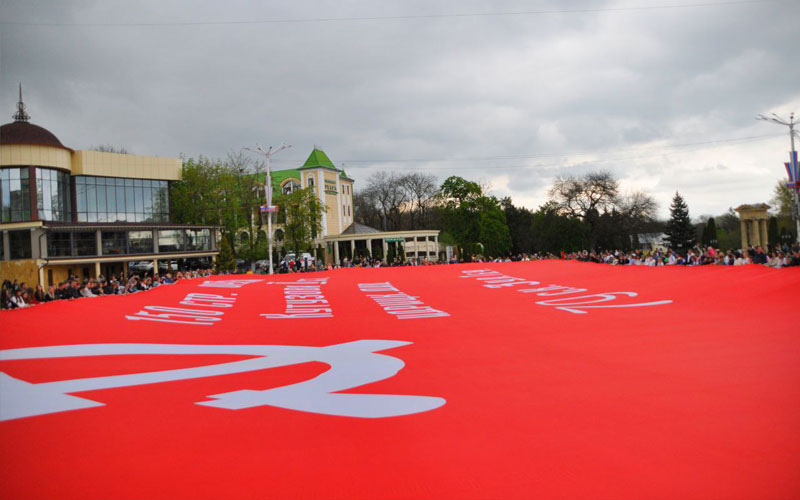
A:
(517, 380)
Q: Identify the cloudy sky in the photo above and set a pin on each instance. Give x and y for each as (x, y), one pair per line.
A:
(663, 93)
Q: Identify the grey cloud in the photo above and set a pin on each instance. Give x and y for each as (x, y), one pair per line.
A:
(392, 89)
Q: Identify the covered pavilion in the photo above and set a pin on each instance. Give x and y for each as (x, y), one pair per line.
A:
(359, 240)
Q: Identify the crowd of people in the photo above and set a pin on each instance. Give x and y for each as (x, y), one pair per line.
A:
(777, 257)
(14, 295)
(309, 265)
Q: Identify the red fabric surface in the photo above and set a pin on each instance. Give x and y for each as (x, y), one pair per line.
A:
(696, 398)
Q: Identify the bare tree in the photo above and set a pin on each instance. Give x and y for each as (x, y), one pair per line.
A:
(638, 205)
(580, 196)
(389, 196)
(365, 208)
(420, 190)
(108, 148)
(638, 210)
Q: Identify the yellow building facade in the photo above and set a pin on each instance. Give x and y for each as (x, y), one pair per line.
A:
(342, 237)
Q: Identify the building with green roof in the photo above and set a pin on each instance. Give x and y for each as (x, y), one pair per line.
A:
(341, 235)
(331, 184)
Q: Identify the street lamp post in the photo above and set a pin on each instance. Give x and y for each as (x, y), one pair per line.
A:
(792, 166)
(268, 191)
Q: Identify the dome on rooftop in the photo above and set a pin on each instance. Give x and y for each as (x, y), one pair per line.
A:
(20, 131)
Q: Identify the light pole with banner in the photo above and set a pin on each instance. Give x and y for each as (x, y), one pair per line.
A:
(269, 208)
(792, 167)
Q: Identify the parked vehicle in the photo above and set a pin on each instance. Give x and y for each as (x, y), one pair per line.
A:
(146, 266)
(305, 256)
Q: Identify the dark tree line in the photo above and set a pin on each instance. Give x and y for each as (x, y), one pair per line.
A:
(584, 212)
(392, 202)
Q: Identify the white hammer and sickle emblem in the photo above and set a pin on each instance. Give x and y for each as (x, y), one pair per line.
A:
(352, 365)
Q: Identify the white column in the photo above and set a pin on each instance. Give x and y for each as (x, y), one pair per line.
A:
(385, 250)
(336, 253)
(754, 229)
(436, 246)
(339, 207)
(321, 191)
(744, 233)
(352, 249)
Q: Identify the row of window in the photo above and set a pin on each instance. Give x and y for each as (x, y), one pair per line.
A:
(291, 186)
(97, 199)
(15, 195)
(53, 195)
(109, 199)
(71, 244)
(84, 243)
(19, 244)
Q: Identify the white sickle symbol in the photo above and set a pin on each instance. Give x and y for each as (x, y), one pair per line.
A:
(352, 365)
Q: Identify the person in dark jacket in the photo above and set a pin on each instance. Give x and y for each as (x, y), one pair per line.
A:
(74, 290)
(63, 291)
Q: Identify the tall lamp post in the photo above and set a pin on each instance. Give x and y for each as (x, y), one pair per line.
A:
(270, 208)
(791, 167)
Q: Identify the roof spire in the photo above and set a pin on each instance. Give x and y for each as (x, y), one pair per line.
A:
(21, 115)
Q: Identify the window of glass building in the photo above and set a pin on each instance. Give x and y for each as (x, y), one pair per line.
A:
(71, 244)
(85, 243)
(19, 243)
(140, 242)
(291, 187)
(52, 195)
(203, 239)
(114, 199)
(114, 242)
(170, 240)
(59, 244)
(198, 239)
(15, 195)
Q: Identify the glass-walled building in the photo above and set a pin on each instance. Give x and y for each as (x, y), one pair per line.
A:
(109, 199)
(85, 213)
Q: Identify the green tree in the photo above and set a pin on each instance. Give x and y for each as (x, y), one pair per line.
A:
(519, 220)
(221, 193)
(709, 237)
(475, 220)
(782, 202)
(553, 232)
(457, 189)
(300, 212)
(729, 231)
(225, 260)
(782, 199)
(773, 234)
(680, 232)
(195, 198)
(493, 230)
